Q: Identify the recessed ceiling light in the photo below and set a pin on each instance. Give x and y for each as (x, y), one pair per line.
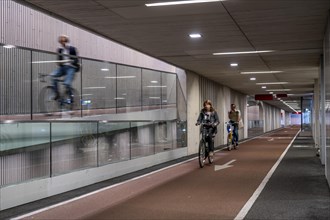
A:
(243, 52)
(234, 64)
(104, 69)
(272, 83)
(271, 92)
(264, 87)
(261, 72)
(195, 35)
(179, 2)
(154, 81)
(253, 78)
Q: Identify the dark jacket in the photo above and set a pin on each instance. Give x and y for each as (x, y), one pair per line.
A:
(72, 54)
(212, 119)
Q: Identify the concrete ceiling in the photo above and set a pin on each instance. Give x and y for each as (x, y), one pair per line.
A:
(294, 29)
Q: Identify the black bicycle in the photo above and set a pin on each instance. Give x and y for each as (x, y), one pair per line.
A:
(204, 150)
(64, 102)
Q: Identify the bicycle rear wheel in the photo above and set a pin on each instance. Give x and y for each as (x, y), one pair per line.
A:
(201, 154)
(210, 157)
(229, 142)
(47, 103)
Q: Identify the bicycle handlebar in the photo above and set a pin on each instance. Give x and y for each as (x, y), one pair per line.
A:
(208, 124)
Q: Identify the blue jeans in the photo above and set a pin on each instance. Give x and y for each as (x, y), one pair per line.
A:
(68, 72)
(235, 132)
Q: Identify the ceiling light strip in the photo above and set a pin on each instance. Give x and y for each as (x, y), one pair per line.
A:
(179, 3)
(243, 52)
(261, 72)
(272, 83)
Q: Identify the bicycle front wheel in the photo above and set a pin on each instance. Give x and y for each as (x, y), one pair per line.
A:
(201, 153)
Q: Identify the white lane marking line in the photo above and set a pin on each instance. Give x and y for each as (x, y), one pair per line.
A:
(97, 191)
(246, 208)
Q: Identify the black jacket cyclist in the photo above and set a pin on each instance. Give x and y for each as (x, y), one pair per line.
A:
(209, 117)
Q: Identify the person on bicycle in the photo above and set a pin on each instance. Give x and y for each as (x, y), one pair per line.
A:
(209, 118)
(68, 66)
(234, 116)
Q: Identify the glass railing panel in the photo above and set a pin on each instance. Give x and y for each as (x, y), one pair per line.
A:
(151, 90)
(181, 134)
(142, 139)
(74, 146)
(15, 84)
(168, 90)
(44, 104)
(24, 152)
(163, 136)
(99, 88)
(128, 94)
(113, 142)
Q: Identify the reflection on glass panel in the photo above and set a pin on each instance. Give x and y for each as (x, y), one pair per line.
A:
(114, 142)
(74, 146)
(181, 104)
(24, 152)
(151, 90)
(128, 89)
(181, 134)
(142, 139)
(168, 90)
(163, 136)
(15, 84)
(44, 104)
(99, 88)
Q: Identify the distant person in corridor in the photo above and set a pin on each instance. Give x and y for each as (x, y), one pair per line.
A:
(234, 116)
(209, 117)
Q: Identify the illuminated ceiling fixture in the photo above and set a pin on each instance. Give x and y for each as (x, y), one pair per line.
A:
(243, 52)
(261, 72)
(196, 35)
(179, 2)
(263, 87)
(154, 81)
(253, 78)
(278, 90)
(104, 69)
(234, 64)
(272, 83)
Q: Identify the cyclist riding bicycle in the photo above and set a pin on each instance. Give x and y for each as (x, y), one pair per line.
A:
(234, 116)
(68, 66)
(209, 118)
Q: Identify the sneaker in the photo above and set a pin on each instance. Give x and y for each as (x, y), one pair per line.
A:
(211, 153)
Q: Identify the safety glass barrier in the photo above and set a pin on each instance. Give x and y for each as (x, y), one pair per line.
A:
(27, 85)
(24, 152)
(33, 150)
